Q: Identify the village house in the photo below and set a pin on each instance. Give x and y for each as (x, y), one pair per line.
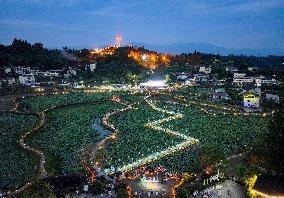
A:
(232, 69)
(8, 70)
(261, 80)
(250, 100)
(27, 79)
(182, 76)
(244, 80)
(220, 94)
(21, 70)
(272, 97)
(252, 69)
(55, 72)
(206, 70)
(200, 77)
(93, 67)
(240, 75)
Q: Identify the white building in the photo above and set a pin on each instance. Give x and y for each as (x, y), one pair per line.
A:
(267, 81)
(22, 70)
(8, 70)
(41, 73)
(72, 72)
(93, 67)
(182, 76)
(243, 80)
(272, 97)
(239, 75)
(258, 82)
(200, 77)
(232, 69)
(54, 72)
(206, 70)
(27, 79)
(220, 90)
(252, 69)
(156, 84)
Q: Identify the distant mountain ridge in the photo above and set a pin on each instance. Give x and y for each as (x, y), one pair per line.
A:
(178, 48)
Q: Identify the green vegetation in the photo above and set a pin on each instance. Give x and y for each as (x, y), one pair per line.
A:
(231, 133)
(269, 153)
(16, 166)
(39, 189)
(40, 103)
(137, 141)
(67, 131)
(186, 160)
(22, 53)
(220, 136)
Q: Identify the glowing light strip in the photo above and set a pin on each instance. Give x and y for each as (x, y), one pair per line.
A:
(189, 140)
(266, 195)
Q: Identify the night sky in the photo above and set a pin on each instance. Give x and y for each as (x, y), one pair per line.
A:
(231, 24)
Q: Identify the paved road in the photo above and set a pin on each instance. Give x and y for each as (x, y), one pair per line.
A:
(6, 102)
(227, 189)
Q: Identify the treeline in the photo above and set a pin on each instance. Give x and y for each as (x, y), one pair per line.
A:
(22, 53)
(240, 61)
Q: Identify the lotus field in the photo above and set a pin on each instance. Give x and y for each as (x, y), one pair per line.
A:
(151, 126)
(138, 141)
(39, 103)
(228, 134)
(16, 166)
(67, 132)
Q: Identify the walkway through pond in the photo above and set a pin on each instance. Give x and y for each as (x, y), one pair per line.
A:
(103, 132)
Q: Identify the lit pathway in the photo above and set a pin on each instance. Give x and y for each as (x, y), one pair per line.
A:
(188, 140)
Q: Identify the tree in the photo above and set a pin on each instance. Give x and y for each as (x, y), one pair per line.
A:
(275, 138)
(168, 78)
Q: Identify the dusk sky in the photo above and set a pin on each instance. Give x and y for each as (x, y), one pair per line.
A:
(231, 24)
